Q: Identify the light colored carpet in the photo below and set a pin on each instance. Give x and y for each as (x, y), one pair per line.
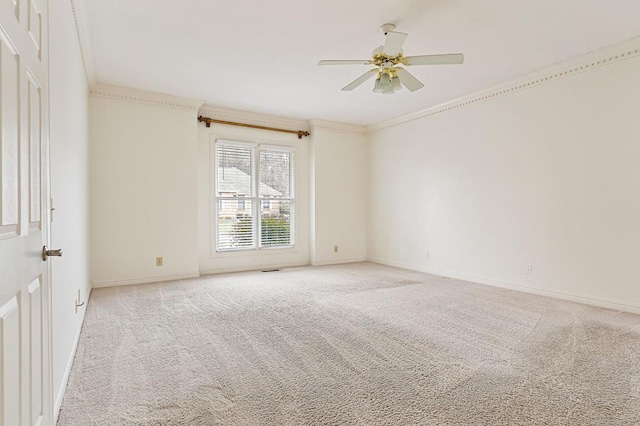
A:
(358, 344)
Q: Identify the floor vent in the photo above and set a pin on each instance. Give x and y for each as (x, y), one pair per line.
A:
(271, 270)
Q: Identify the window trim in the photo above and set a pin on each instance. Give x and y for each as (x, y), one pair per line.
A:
(255, 199)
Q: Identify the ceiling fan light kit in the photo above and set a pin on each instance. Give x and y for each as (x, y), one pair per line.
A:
(390, 77)
(387, 82)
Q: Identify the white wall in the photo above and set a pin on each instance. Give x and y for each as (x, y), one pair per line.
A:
(69, 190)
(144, 159)
(547, 176)
(216, 262)
(143, 175)
(338, 193)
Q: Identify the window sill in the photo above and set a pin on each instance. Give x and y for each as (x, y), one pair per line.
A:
(258, 251)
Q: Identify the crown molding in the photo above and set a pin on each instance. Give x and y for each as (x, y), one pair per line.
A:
(592, 60)
(253, 118)
(336, 126)
(83, 34)
(139, 96)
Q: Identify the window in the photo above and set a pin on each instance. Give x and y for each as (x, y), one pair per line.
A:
(254, 200)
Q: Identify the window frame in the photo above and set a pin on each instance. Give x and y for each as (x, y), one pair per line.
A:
(255, 197)
(242, 202)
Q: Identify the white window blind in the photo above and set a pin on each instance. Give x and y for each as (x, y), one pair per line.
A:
(276, 186)
(254, 199)
(235, 191)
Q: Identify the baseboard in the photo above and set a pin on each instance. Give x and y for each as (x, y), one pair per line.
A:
(67, 370)
(252, 268)
(578, 298)
(339, 262)
(116, 283)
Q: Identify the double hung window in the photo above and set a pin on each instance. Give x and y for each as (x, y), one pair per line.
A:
(254, 196)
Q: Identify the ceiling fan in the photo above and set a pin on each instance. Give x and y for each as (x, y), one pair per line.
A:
(387, 58)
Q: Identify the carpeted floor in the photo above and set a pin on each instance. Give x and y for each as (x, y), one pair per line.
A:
(358, 344)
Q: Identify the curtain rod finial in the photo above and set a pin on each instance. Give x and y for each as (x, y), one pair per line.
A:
(206, 120)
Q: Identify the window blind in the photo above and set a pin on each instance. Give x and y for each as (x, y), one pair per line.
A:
(235, 193)
(276, 186)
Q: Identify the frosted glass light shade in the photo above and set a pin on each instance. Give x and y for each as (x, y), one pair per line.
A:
(386, 85)
(395, 84)
(377, 87)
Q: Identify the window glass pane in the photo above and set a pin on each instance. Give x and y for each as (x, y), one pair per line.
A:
(275, 174)
(235, 226)
(275, 224)
(234, 171)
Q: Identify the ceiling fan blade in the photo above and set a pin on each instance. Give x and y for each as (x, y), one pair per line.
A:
(452, 58)
(345, 62)
(358, 81)
(393, 43)
(408, 80)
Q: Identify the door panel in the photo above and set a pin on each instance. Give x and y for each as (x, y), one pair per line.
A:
(25, 372)
(36, 350)
(35, 23)
(35, 149)
(10, 374)
(9, 129)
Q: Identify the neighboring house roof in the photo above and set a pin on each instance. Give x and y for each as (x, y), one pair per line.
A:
(232, 179)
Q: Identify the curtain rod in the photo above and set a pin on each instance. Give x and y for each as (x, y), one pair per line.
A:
(208, 122)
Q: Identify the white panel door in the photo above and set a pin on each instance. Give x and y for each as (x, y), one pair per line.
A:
(25, 384)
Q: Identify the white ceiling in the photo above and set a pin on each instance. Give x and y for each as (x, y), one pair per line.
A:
(261, 56)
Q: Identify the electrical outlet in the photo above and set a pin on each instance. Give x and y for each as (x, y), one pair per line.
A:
(160, 261)
(528, 269)
(335, 249)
